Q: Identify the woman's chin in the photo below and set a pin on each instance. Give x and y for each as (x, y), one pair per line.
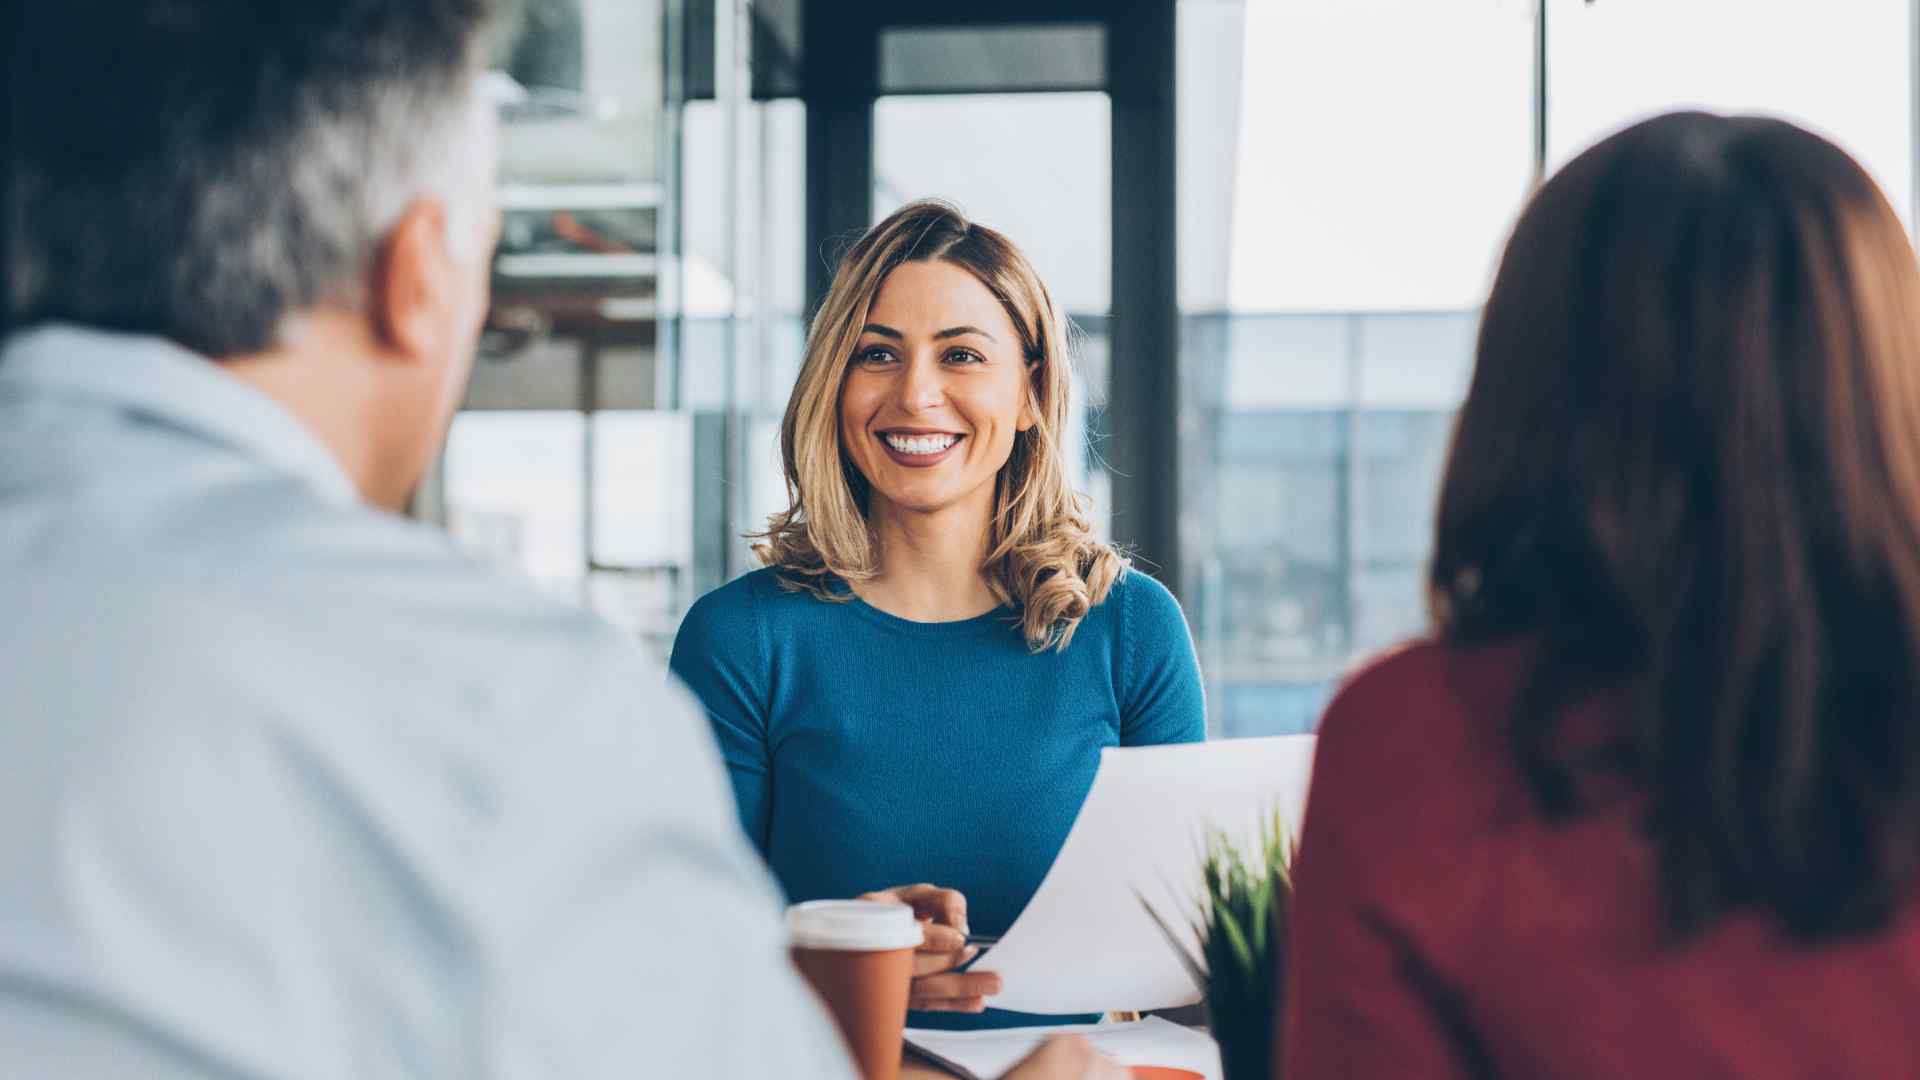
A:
(921, 498)
(923, 506)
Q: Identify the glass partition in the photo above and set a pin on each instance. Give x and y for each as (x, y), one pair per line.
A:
(1348, 172)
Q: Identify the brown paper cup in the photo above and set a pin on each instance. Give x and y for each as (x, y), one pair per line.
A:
(858, 956)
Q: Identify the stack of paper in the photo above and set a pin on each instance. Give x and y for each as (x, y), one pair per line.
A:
(984, 1055)
(1085, 942)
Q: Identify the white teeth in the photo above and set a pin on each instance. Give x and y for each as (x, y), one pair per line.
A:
(920, 444)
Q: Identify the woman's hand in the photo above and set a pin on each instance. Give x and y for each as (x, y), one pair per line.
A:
(943, 920)
(1067, 1057)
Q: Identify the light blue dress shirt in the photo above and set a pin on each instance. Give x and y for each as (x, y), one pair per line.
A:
(294, 790)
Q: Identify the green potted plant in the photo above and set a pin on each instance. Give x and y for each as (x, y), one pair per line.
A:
(1241, 924)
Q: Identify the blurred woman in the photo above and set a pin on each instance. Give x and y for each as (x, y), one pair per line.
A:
(919, 684)
(1648, 803)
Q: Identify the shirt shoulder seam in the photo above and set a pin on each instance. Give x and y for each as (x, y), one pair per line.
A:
(763, 642)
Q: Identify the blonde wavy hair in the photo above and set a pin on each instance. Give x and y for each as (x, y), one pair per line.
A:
(1042, 557)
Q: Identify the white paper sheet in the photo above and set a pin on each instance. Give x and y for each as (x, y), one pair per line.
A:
(984, 1055)
(1085, 943)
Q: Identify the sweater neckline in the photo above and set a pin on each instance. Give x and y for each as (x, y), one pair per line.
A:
(1000, 618)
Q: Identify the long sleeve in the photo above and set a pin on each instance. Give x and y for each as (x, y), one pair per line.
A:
(649, 914)
(720, 654)
(1359, 1001)
(486, 868)
(1162, 700)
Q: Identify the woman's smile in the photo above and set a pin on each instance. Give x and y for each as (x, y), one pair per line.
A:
(920, 449)
(937, 389)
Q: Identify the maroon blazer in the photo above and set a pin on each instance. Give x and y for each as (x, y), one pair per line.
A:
(1442, 928)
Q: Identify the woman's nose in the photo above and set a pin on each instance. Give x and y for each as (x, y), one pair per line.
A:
(922, 385)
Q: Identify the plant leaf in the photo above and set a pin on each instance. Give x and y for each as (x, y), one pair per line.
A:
(1223, 918)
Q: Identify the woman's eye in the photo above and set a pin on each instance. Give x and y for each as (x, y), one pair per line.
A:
(874, 357)
(965, 356)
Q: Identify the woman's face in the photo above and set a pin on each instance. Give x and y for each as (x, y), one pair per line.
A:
(936, 390)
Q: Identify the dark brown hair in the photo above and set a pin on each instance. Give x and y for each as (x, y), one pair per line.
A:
(1689, 469)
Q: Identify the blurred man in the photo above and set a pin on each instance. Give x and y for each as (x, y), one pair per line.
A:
(292, 789)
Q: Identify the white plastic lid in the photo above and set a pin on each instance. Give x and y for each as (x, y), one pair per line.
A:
(853, 925)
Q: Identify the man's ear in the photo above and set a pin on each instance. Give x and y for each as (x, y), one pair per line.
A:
(412, 288)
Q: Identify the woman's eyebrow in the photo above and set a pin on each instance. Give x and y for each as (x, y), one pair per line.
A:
(957, 331)
(886, 331)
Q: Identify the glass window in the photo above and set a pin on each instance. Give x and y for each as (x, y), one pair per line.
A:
(1381, 150)
(574, 326)
(642, 520)
(1840, 69)
(1037, 167)
(516, 495)
(620, 431)
(741, 331)
(1347, 175)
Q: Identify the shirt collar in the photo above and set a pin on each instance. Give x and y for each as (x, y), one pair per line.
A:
(161, 381)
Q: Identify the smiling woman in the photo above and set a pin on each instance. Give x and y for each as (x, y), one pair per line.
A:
(934, 325)
(918, 397)
(919, 684)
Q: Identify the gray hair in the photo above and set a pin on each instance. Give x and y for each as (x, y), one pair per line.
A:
(206, 169)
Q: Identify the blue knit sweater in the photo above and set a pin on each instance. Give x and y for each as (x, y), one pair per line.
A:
(868, 750)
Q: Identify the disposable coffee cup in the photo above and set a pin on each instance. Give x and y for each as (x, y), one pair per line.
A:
(858, 955)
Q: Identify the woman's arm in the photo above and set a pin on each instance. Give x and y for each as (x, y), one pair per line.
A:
(720, 653)
(1360, 1000)
(1161, 699)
